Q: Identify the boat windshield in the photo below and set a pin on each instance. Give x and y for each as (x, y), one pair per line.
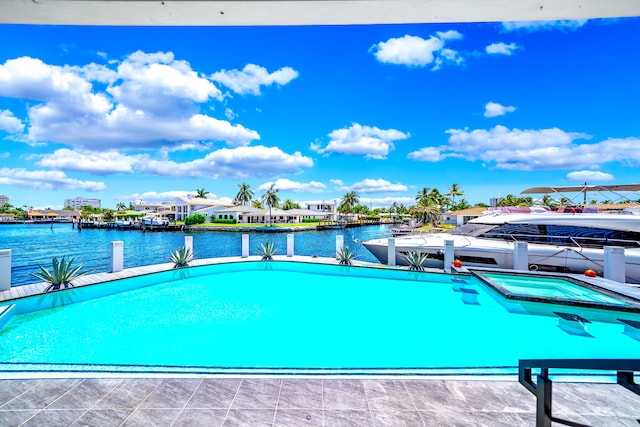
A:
(473, 230)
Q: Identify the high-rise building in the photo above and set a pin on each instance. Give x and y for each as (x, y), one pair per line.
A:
(79, 202)
(3, 200)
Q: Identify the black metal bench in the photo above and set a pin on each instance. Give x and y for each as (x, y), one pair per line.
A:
(541, 388)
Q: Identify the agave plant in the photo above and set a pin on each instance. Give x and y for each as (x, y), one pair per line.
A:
(181, 257)
(268, 250)
(415, 260)
(61, 276)
(346, 256)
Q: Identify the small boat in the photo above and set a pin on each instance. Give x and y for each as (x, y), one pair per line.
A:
(154, 220)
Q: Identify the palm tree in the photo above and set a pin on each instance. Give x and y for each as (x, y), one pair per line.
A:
(422, 194)
(427, 210)
(121, 207)
(393, 209)
(454, 191)
(201, 193)
(257, 204)
(271, 199)
(349, 201)
(244, 195)
(290, 204)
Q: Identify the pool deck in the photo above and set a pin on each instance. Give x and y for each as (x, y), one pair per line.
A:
(337, 401)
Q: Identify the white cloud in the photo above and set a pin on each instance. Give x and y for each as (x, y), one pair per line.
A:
(241, 162)
(9, 122)
(166, 196)
(336, 182)
(532, 149)
(95, 162)
(5, 155)
(252, 77)
(46, 180)
(589, 176)
(493, 109)
(501, 48)
(531, 26)
(294, 186)
(371, 142)
(369, 185)
(427, 154)
(385, 202)
(152, 101)
(414, 51)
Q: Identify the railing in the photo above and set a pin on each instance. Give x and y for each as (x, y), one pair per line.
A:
(541, 388)
(558, 240)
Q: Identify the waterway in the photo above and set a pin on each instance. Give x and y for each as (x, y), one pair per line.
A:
(36, 244)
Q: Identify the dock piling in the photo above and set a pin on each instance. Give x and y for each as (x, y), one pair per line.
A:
(5, 269)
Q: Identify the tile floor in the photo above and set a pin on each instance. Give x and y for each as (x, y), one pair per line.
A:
(339, 402)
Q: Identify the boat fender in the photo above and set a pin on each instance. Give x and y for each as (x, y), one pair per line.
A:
(533, 267)
(590, 273)
(457, 263)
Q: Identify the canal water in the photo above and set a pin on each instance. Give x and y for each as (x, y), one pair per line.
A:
(36, 244)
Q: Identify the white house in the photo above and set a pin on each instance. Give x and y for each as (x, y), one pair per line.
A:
(251, 215)
(324, 207)
(185, 206)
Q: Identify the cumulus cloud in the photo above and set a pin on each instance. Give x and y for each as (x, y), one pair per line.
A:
(501, 48)
(336, 182)
(414, 51)
(531, 26)
(369, 185)
(294, 186)
(493, 109)
(232, 163)
(95, 162)
(152, 100)
(427, 154)
(167, 196)
(536, 149)
(371, 142)
(589, 176)
(252, 77)
(46, 180)
(385, 202)
(10, 123)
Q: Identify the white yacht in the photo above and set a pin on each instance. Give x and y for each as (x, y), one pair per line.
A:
(570, 242)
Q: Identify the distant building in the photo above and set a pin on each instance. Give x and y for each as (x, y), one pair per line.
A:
(3, 200)
(79, 202)
(325, 207)
(185, 206)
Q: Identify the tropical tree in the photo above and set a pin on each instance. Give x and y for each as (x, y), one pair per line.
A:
(422, 194)
(201, 193)
(462, 204)
(257, 204)
(454, 191)
(289, 204)
(108, 215)
(427, 211)
(244, 195)
(349, 201)
(121, 207)
(271, 199)
(393, 209)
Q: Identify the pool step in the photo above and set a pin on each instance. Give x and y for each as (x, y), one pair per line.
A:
(573, 324)
(631, 328)
(5, 314)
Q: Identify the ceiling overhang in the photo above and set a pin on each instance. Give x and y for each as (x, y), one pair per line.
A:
(303, 12)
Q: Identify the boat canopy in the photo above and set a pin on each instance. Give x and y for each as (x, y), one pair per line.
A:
(584, 189)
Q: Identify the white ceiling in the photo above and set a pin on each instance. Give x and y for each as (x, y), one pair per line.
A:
(303, 12)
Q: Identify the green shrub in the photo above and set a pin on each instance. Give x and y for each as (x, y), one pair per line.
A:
(223, 221)
(61, 275)
(310, 219)
(372, 217)
(195, 219)
(181, 257)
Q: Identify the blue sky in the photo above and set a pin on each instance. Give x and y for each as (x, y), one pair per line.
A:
(131, 113)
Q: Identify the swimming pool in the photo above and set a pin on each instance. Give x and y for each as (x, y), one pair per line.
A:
(299, 317)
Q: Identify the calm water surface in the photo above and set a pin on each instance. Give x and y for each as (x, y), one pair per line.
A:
(36, 244)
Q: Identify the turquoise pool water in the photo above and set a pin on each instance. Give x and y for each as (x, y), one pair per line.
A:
(286, 315)
(550, 287)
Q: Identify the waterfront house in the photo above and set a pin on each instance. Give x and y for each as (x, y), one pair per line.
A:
(185, 206)
(7, 218)
(251, 215)
(53, 215)
(462, 216)
(324, 207)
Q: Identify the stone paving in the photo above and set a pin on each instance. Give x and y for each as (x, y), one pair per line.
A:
(341, 402)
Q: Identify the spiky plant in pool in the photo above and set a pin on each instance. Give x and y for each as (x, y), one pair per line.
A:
(181, 257)
(267, 250)
(61, 275)
(346, 256)
(415, 260)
